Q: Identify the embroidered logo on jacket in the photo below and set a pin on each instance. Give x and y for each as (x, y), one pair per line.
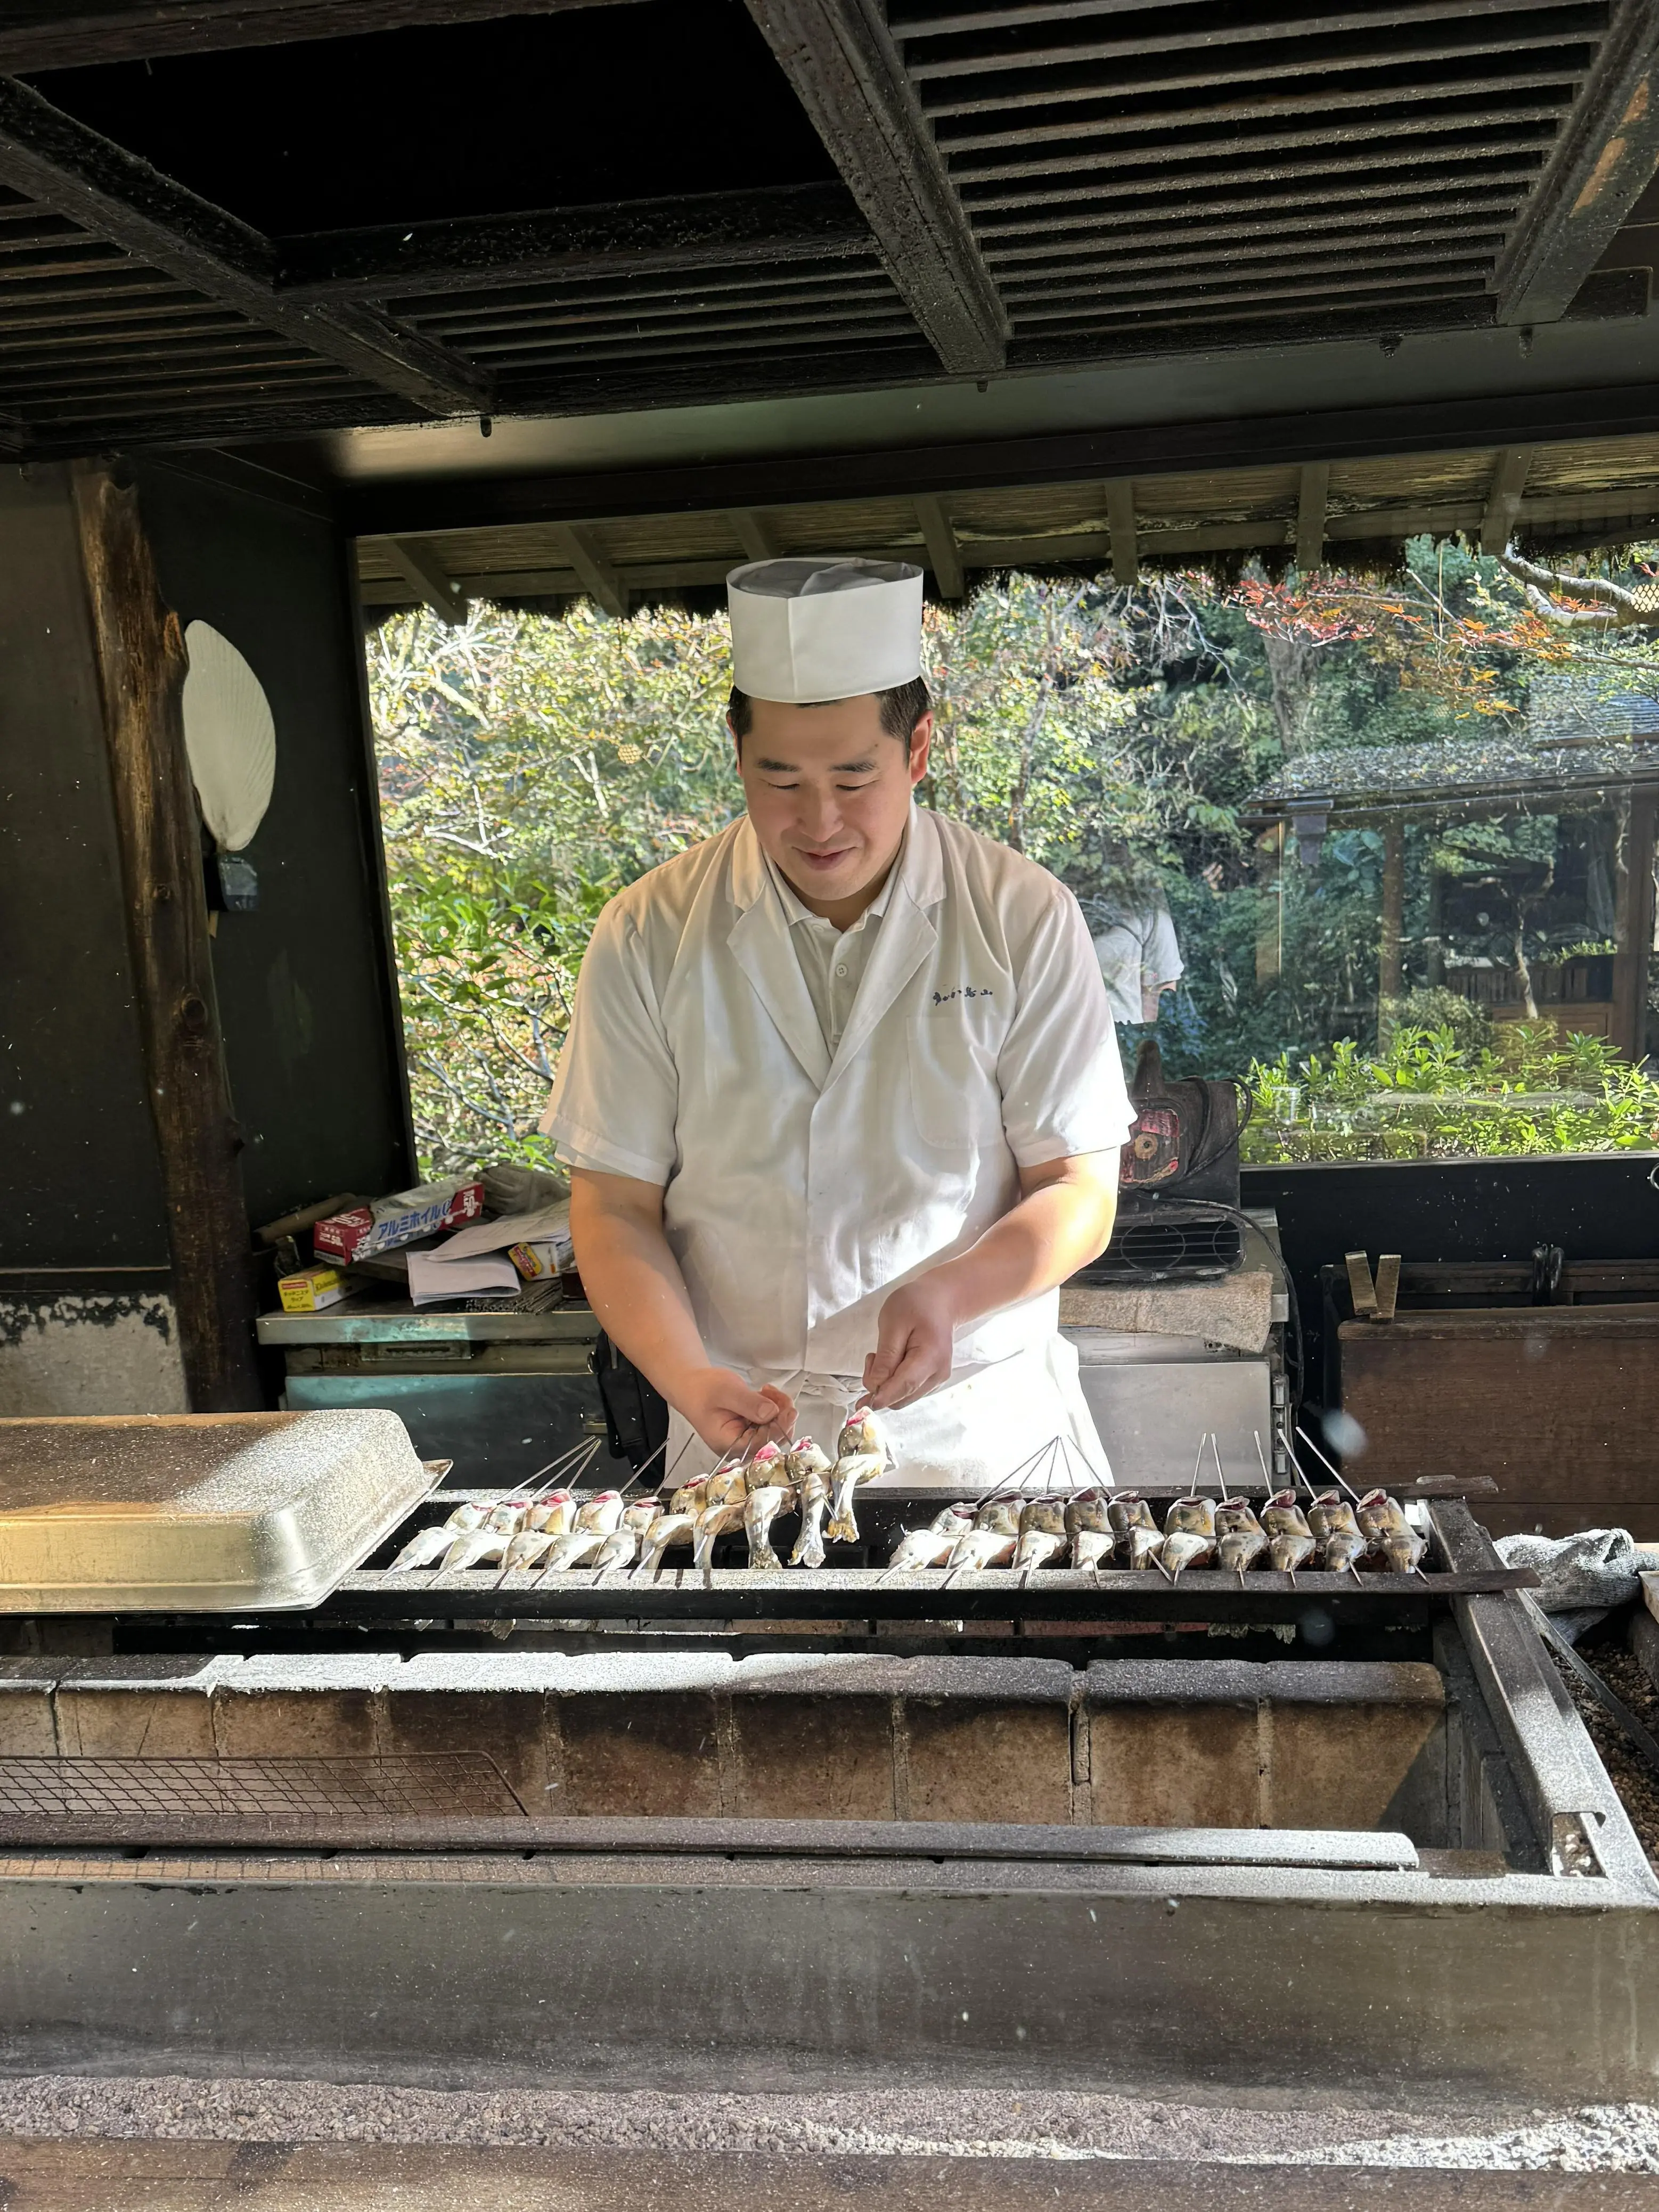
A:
(962, 991)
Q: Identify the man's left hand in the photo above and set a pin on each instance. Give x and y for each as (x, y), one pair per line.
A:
(913, 1344)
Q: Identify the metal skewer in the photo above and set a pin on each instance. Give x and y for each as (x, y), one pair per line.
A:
(1325, 1462)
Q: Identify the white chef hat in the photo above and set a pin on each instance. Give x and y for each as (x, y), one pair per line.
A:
(806, 631)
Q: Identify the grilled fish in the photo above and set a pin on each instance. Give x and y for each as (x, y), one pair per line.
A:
(600, 1518)
(529, 1547)
(1398, 1550)
(1330, 1511)
(1289, 1549)
(1041, 1531)
(1191, 1516)
(761, 1508)
(726, 1484)
(1342, 1549)
(467, 1515)
(663, 1536)
(1234, 1513)
(690, 1497)
(1377, 1512)
(814, 1505)
(804, 1458)
(1145, 1545)
(713, 1521)
(509, 1517)
(990, 1542)
(621, 1547)
(1088, 1523)
(476, 1547)
(933, 1546)
(1185, 1547)
(424, 1549)
(553, 1513)
(1240, 1548)
(845, 1478)
(861, 1436)
(1282, 1516)
(1127, 1510)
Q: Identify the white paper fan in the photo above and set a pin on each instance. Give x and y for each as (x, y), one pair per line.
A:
(230, 737)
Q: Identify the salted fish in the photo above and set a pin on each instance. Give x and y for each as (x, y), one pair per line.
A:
(1041, 1531)
(1185, 1547)
(990, 1542)
(1089, 1525)
(814, 1505)
(1127, 1510)
(1399, 1551)
(845, 1478)
(690, 1497)
(861, 1436)
(712, 1521)
(1283, 1517)
(1145, 1545)
(1330, 1511)
(1234, 1513)
(1344, 1548)
(931, 1547)
(725, 1484)
(1289, 1549)
(803, 1458)
(600, 1518)
(467, 1515)
(1191, 1516)
(509, 1517)
(621, 1547)
(1240, 1548)
(476, 1547)
(761, 1508)
(554, 1513)
(424, 1549)
(1377, 1512)
(662, 1537)
(529, 1547)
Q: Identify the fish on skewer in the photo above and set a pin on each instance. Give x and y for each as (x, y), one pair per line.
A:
(712, 1522)
(1377, 1512)
(1088, 1523)
(1185, 1547)
(1234, 1513)
(990, 1541)
(804, 1457)
(600, 1518)
(426, 1547)
(860, 1435)
(1041, 1531)
(663, 1536)
(508, 1516)
(1289, 1549)
(691, 1497)
(529, 1548)
(476, 1547)
(1283, 1517)
(1191, 1516)
(725, 1484)
(1398, 1551)
(1127, 1510)
(1342, 1550)
(553, 1514)
(814, 1505)
(761, 1509)
(931, 1547)
(467, 1515)
(844, 1479)
(1240, 1540)
(1143, 1545)
(621, 1547)
(1330, 1513)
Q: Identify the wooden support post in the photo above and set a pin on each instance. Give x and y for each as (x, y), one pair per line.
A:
(1390, 964)
(141, 670)
(754, 532)
(943, 554)
(1634, 922)
(598, 579)
(417, 565)
(1312, 493)
(1503, 496)
(1120, 523)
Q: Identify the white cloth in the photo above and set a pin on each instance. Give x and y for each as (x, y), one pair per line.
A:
(802, 1184)
(832, 960)
(1140, 960)
(805, 631)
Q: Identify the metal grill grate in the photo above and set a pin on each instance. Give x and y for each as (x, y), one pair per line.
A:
(1169, 1246)
(268, 1795)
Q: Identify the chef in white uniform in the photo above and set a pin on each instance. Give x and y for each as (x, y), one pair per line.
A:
(840, 1096)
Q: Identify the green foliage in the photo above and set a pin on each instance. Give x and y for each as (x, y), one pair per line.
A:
(1434, 1094)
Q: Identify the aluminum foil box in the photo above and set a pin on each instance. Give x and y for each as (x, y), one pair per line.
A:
(197, 1512)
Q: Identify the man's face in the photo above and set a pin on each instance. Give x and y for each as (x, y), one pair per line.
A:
(829, 792)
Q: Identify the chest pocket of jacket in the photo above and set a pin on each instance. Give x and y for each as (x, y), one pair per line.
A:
(954, 1092)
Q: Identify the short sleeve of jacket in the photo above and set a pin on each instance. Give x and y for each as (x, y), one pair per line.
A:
(614, 1099)
(1061, 1076)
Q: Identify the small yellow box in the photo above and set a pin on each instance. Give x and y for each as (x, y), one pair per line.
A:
(312, 1289)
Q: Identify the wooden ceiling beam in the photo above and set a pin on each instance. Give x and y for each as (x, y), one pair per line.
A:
(1603, 162)
(1503, 496)
(943, 554)
(98, 185)
(418, 566)
(599, 578)
(1121, 531)
(755, 533)
(1312, 497)
(49, 35)
(621, 241)
(849, 75)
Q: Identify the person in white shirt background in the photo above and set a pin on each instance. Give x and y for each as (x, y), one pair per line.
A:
(842, 1097)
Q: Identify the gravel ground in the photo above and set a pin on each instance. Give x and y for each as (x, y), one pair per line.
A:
(1634, 1780)
(925, 2120)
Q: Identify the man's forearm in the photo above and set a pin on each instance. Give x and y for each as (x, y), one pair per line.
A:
(1054, 1230)
(634, 1286)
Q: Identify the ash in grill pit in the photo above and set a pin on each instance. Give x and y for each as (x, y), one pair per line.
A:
(924, 2120)
(1630, 1775)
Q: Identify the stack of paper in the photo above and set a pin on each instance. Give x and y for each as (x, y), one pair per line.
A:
(473, 1263)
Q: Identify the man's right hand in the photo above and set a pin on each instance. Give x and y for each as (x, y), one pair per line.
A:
(730, 1414)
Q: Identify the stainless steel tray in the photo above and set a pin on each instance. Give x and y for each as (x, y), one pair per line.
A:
(198, 1512)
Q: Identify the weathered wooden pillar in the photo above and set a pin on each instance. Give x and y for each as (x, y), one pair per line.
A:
(141, 664)
(1633, 905)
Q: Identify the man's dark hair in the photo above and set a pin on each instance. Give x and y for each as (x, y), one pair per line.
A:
(901, 708)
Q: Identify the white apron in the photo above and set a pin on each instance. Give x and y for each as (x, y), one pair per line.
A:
(800, 1187)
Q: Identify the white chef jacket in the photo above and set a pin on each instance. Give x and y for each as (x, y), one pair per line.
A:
(802, 1185)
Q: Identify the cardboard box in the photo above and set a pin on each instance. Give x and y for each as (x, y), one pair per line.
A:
(399, 1219)
(312, 1290)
